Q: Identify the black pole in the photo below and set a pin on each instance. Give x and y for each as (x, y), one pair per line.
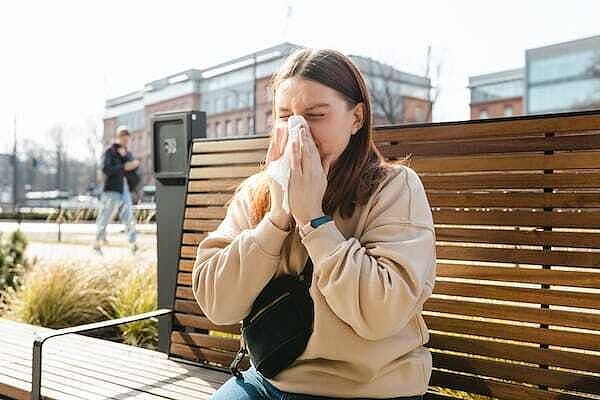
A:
(15, 167)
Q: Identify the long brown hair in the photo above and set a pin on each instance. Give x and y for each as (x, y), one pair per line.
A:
(361, 167)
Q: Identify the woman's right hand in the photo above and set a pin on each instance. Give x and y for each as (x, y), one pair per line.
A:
(276, 148)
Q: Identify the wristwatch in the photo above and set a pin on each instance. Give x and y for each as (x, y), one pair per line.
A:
(316, 222)
(313, 224)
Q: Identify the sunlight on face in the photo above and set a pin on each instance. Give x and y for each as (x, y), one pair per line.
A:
(330, 118)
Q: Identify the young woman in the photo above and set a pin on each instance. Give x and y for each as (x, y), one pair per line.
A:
(374, 257)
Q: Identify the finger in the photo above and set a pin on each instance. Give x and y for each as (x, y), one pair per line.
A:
(307, 155)
(269, 157)
(284, 139)
(295, 159)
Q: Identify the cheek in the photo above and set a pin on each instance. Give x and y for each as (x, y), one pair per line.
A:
(328, 136)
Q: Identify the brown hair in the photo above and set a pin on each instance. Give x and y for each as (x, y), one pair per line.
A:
(361, 167)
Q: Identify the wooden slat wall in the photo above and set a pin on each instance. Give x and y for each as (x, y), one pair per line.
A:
(516, 307)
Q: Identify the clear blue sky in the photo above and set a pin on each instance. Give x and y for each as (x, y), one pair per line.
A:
(62, 59)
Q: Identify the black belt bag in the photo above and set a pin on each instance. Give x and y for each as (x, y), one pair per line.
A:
(279, 325)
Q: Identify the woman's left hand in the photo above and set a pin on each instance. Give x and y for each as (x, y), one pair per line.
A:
(308, 179)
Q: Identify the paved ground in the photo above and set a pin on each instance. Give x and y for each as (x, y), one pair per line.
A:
(77, 239)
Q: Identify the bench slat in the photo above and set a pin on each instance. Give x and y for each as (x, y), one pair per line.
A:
(511, 181)
(200, 322)
(521, 237)
(485, 309)
(561, 161)
(493, 388)
(517, 352)
(244, 157)
(222, 146)
(519, 218)
(402, 149)
(104, 369)
(213, 185)
(519, 373)
(514, 332)
(489, 128)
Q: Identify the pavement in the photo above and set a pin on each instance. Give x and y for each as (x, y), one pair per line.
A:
(76, 241)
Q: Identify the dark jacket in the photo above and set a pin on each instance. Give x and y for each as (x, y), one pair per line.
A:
(113, 166)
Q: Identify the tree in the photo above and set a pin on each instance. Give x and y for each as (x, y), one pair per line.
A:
(384, 90)
(434, 91)
(385, 86)
(593, 101)
(57, 140)
(93, 143)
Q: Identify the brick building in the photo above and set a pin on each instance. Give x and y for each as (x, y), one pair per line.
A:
(499, 94)
(227, 93)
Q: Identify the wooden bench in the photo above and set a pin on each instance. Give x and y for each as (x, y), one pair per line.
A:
(516, 307)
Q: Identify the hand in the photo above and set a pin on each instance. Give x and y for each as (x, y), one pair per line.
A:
(122, 151)
(131, 165)
(276, 148)
(308, 179)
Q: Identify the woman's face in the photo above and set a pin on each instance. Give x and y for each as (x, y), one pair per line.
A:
(330, 118)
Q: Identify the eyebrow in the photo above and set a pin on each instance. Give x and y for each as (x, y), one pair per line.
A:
(318, 105)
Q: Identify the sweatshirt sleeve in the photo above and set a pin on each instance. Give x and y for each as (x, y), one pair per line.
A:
(109, 166)
(235, 262)
(378, 282)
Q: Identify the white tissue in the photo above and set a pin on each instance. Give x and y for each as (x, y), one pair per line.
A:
(279, 169)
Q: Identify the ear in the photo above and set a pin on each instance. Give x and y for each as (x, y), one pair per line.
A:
(358, 117)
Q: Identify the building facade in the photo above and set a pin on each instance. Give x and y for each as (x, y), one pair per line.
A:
(237, 98)
(563, 76)
(557, 78)
(498, 94)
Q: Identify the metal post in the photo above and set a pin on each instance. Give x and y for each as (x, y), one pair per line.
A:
(15, 167)
(36, 379)
(59, 220)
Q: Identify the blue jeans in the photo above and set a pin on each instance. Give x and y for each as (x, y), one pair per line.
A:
(253, 386)
(109, 202)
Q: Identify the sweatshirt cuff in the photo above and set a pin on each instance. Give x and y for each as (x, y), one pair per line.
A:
(323, 241)
(269, 237)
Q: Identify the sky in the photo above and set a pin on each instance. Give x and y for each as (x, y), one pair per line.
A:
(60, 60)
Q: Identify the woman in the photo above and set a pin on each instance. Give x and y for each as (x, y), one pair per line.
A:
(374, 263)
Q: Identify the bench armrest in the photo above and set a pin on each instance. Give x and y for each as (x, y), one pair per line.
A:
(36, 378)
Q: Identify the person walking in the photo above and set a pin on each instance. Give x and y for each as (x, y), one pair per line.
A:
(119, 167)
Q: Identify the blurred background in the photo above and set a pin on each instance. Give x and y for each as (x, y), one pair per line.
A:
(71, 72)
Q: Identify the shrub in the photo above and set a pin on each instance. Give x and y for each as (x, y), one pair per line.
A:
(134, 294)
(13, 263)
(63, 294)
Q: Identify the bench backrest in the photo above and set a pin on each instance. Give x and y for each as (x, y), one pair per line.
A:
(516, 202)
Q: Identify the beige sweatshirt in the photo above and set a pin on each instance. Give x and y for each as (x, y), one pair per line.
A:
(372, 274)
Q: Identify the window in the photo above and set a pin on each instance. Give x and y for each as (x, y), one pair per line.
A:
(240, 127)
(218, 129)
(563, 95)
(497, 91)
(508, 111)
(229, 128)
(419, 114)
(268, 121)
(268, 93)
(218, 105)
(250, 125)
(483, 114)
